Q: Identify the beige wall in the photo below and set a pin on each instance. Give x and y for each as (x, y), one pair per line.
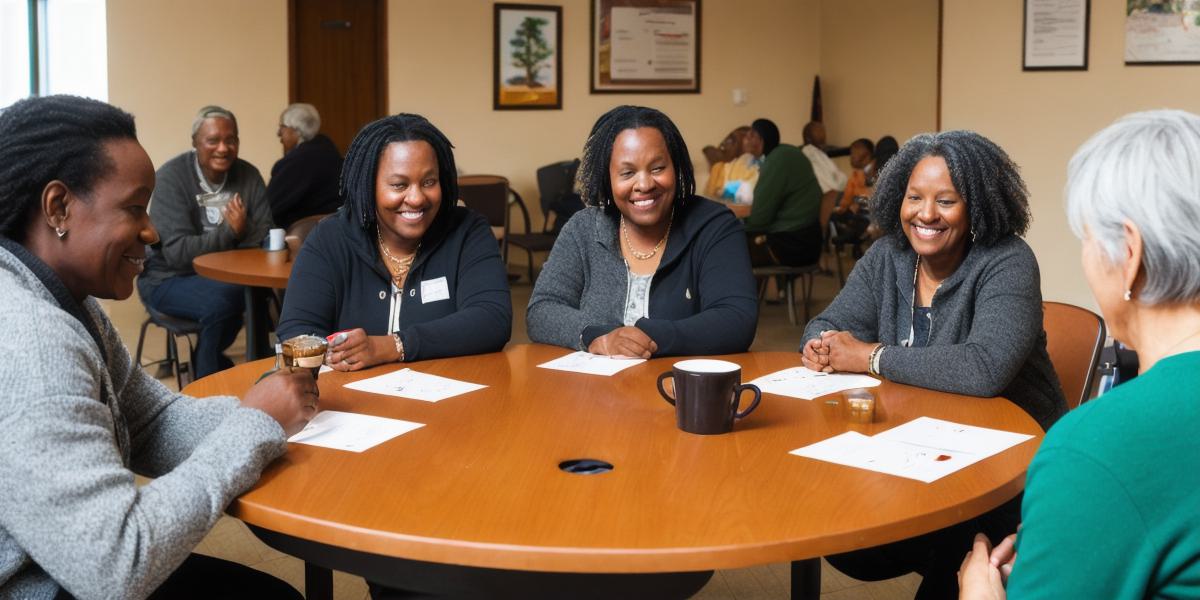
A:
(1040, 118)
(167, 58)
(878, 68)
(443, 69)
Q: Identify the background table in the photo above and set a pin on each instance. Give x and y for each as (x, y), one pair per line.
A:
(260, 272)
(480, 484)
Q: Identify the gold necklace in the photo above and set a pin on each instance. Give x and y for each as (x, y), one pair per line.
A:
(646, 255)
(400, 266)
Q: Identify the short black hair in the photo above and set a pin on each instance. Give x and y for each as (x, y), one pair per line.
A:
(593, 177)
(50, 138)
(866, 143)
(986, 178)
(357, 185)
(885, 149)
(769, 132)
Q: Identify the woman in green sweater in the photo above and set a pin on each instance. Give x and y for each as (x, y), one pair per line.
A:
(1112, 504)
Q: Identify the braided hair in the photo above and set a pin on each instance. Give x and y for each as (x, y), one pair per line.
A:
(50, 138)
(357, 185)
(986, 178)
(593, 177)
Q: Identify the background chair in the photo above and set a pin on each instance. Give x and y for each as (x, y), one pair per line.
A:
(489, 196)
(302, 227)
(175, 327)
(788, 276)
(558, 201)
(1074, 338)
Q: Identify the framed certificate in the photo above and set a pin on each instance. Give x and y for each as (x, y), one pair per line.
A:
(1056, 35)
(645, 46)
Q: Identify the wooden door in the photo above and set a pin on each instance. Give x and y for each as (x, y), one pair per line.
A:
(338, 62)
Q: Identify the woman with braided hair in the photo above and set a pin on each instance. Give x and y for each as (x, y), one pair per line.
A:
(402, 270)
(648, 268)
(80, 417)
(949, 299)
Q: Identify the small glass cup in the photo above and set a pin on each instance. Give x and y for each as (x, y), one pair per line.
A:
(304, 351)
(860, 405)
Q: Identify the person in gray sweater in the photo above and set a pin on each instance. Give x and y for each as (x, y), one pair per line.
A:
(80, 418)
(649, 268)
(949, 299)
(211, 173)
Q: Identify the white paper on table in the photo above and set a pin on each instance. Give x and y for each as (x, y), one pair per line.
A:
(350, 431)
(407, 383)
(924, 449)
(806, 384)
(324, 369)
(592, 364)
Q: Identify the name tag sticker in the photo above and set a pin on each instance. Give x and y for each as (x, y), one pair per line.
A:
(433, 290)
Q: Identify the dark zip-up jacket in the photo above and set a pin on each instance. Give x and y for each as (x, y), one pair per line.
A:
(702, 297)
(340, 282)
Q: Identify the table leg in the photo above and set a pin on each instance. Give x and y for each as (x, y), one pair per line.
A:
(318, 582)
(806, 579)
(257, 337)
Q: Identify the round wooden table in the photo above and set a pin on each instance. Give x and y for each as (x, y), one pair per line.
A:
(260, 271)
(480, 484)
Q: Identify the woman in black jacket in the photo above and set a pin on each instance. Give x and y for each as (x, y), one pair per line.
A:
(400, 269)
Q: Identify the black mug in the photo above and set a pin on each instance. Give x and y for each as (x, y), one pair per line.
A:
(707, 394)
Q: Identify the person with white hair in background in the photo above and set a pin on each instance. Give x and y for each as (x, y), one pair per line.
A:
(1112, 501)
(305, 181)
(206, 200)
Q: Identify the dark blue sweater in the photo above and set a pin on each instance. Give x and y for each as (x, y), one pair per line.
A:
(339, 282)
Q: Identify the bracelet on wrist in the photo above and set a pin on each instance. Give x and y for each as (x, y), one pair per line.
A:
(873, 361)
(399, 346)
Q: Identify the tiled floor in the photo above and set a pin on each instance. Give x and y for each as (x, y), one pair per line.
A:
(230, 539)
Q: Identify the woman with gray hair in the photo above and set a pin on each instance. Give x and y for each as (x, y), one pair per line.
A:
(1112, 508)
(305, 181)
(207, 200)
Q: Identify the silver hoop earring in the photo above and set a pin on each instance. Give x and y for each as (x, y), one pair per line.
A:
(60, 232)
(1128, 295)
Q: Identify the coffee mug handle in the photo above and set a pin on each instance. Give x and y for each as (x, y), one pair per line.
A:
(663, 391)
(753, 405)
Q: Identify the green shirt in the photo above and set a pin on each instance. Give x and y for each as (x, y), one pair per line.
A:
(1112, 506)
(787, 196)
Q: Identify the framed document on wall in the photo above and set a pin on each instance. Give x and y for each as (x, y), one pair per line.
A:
(645, 46)
(1056, 35)
(527, 57)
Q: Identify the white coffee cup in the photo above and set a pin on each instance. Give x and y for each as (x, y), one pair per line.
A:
(275, 240)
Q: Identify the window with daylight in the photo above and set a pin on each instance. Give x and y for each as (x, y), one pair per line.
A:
(53, 47)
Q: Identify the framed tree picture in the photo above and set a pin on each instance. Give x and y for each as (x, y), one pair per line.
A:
(527, 57)
(645, 46)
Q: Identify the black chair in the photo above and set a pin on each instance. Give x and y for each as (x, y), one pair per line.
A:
(558, 201)
(789, 275)
(175, 327)
(489, 196)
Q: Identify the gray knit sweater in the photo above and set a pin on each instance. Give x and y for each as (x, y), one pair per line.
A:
(986, 338)
(184, 226)
(70, 512)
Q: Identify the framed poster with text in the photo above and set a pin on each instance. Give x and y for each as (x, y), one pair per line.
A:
(645, 46)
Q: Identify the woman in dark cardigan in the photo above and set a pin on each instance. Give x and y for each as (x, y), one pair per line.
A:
(405, 273)
(950, 299)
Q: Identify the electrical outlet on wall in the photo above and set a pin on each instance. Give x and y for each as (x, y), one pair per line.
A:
(739, 96)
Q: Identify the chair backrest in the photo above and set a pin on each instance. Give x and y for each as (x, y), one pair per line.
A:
(302, 227)
(1074, 338)
(487, 195)
(555, 180)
